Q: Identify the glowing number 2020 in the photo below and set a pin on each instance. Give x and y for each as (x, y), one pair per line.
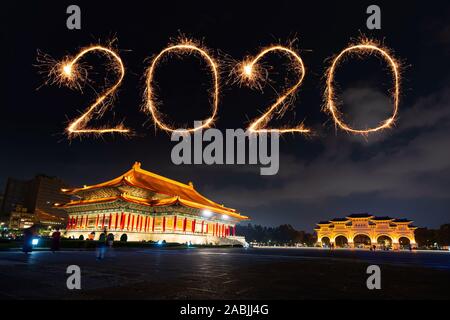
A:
(69, 73)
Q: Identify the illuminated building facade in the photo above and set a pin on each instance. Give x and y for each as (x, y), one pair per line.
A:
(365, 230)
(143, 206)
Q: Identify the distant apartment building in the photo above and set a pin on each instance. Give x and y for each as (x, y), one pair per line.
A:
(36, 197)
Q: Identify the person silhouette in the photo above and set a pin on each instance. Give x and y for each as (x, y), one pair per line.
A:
(56, 240)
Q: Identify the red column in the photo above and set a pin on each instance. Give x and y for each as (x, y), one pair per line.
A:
(128, 221)
(103, 221)
(153, 224)
(132, 222)
(122, 221)
(203, 224)
(193, 226)
(217, 229)
(115, 221)
(86, 221)
(146, 224)
(96, 221)
(110, 221)
(207, 225)
(174, 223)
(184, 224)
(76, 222)
(138, 220)
(164, 224)
(234, 231)
(140, 223)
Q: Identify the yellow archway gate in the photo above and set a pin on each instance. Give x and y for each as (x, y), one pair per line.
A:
(367, 225)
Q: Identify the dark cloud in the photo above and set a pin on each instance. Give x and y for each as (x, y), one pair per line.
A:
(418, 167)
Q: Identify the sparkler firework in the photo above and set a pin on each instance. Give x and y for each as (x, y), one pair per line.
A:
(251, 74)
(71, 73)
(184, 47)
(364, 47)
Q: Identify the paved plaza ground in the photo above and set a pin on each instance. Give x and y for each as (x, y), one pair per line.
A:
(225, 274)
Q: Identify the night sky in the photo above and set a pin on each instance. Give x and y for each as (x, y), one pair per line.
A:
(402, 172)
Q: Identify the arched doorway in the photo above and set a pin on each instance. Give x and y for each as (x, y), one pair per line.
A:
(362, 241)
(325, 242)
(404, 242)
(341, 242)
(124, 238)
(384, 242)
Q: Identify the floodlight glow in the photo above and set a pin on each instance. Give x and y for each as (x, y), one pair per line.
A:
(207, 213)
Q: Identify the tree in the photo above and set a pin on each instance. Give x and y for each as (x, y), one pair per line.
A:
(283, 234)
(443, 235)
